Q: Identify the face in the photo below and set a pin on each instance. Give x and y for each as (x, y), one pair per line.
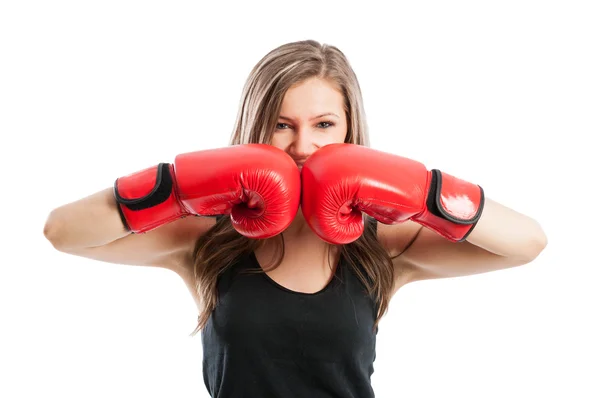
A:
(312, 116)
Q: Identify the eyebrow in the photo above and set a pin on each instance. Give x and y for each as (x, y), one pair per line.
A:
(316, 117)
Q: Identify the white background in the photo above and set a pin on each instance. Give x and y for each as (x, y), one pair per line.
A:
(505, 94)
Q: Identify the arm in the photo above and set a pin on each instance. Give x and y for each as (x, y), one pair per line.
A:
(91, 227)
(68, 226)
(144, 218)
(437, 225)
(502, 238)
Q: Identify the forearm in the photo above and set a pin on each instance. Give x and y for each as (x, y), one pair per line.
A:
(88, 222)
(505, 232)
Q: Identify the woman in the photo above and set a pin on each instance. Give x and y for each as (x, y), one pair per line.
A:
(315, 232)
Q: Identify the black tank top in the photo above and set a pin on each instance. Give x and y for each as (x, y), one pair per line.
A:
(264, 340)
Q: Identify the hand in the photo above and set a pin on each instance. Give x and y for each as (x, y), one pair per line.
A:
(341, 181)
(258, 185)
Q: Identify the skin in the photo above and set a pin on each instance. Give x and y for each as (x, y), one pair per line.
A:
(503, 238)
(301, 130)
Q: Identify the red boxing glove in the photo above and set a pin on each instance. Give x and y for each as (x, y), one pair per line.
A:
(257, 185)
(340, 181)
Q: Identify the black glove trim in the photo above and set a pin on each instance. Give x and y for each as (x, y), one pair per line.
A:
(160, 193)
(435, 207)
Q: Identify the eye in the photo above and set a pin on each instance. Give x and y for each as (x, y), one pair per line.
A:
(329, 124)
(322, 125)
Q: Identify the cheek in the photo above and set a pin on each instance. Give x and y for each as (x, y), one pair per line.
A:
(338, 136)
(280, 140)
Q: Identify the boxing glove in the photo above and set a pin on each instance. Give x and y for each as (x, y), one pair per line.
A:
(257, 185)
(341, 181)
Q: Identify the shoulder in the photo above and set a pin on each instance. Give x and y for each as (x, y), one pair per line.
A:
(184, 234)
(187, 231)
(396, 238)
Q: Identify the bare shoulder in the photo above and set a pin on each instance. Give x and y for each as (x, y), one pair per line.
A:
(396, 238)
(181, 237)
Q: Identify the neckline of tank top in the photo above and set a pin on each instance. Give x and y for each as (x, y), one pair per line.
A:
(336, 275)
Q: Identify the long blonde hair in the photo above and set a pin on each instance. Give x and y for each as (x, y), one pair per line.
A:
(260, 104)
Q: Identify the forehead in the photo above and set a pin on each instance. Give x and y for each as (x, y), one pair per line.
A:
(312, 97)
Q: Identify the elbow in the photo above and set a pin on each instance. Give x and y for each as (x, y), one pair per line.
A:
(535, 245)
(52, 231)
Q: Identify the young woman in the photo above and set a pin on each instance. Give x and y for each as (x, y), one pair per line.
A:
(314, 231)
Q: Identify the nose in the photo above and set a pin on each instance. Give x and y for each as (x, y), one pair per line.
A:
(303, 145)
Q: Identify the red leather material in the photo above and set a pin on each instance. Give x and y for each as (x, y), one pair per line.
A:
(459, 200)
(257, 184)
(453, 208)
(137, 197)
(341, 181)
